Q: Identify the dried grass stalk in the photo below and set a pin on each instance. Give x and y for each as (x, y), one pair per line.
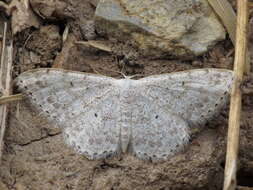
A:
(236, 96)
(101, 45)
(11, 98)
(5, 83)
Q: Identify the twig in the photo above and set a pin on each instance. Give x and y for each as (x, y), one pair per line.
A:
(65, 33)
(3, 108)
(228, 17)
(3, 56)
(11, 98)
(5, 83)
(236, 97)
(101, 45)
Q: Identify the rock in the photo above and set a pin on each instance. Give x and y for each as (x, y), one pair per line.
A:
(78, 14)
(51, 9)
(164, 28)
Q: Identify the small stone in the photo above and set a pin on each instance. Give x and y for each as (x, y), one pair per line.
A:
(164, 28)
(51, 9)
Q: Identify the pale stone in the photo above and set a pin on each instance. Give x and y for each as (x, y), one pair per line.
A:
(174, 28)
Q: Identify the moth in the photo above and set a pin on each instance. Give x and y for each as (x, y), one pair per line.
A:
(150, 118)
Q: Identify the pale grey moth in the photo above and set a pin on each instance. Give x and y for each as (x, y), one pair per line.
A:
(150, 117)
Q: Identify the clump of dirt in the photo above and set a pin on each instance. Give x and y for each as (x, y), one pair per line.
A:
(35, 156)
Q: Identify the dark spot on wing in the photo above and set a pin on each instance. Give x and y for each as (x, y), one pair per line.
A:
(40, 84)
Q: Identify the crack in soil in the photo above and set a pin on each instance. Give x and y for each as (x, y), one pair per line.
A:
(39, 139)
